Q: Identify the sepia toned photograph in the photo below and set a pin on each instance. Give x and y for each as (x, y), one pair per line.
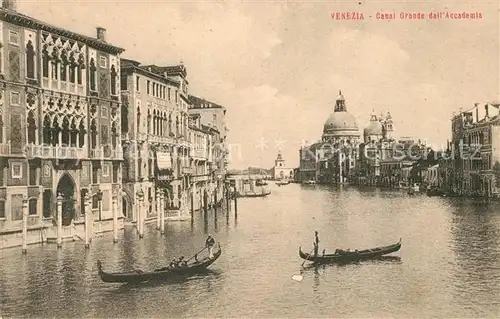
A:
(249, 159)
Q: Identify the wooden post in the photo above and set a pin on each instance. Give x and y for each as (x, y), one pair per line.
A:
(192, 202)
(114, 207)
(59, 220)
(25, 225)
(158, 211)
(162, 212)
(88, 219)
(205, 201)
(235, 205)
(140, 195)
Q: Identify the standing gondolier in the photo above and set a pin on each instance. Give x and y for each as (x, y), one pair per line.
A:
(316, 243)
(209, 243)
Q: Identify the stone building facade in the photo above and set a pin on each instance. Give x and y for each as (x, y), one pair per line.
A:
(60, 122)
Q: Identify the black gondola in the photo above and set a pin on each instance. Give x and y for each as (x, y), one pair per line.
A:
(341, 256)
(255, 194)
(137, 276)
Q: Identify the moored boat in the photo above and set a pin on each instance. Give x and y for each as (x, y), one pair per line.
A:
(263, 194)
(282, 182)
(342, 256)
(311, 182)
(164, 273)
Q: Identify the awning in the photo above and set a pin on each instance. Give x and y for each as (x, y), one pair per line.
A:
(163, 161)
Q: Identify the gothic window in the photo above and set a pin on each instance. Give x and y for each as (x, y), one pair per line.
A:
(31, 129)
(92, 75)
(81, 132)
(47, 131)
(114, 136)
(176, 125)
(79, 74)
(53, 65)
(139, 167)
(45, 63)
(93, 135)
(148, 84)
(30, 60)
(124, 118)
(73, 133)
(168, 94)
(63, 67)
(72, 73)
(113, 80)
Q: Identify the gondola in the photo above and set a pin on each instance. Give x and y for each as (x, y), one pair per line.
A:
(165, 273)
(341, 256)
(255, 194)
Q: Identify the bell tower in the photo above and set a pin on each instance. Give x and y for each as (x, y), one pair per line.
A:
(279, 161)
(340, 103)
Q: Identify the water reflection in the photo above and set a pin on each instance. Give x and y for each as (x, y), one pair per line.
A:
(476, 233)
(448, 265)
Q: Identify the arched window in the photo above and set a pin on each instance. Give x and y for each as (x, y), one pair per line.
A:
(149, 123)
(124, 117)
(31, 129)
(114, 75)
(138, 119)
(65, 132)
(81, 132)
(47, 131)
(45, 62)
(30, 60)
(1, 128)
(93, 135)
(170, 124)
(114, 135)
(92, 75)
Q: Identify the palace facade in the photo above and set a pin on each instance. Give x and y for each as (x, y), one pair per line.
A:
(68, 144)
(60, 122)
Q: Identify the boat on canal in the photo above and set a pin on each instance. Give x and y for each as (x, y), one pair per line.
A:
(137, 276)
(255, 194)
(345, 256)
(282, 182)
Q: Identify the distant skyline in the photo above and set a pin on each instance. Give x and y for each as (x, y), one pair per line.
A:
(278, 67)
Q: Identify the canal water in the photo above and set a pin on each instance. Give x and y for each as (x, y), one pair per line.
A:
(449, 262)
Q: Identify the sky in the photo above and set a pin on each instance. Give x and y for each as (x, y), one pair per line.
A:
(277, 67)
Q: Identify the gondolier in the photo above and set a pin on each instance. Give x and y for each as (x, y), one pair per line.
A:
(209, 243)
(316, 243)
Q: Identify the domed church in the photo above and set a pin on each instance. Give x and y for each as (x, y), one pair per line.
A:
(339, 148)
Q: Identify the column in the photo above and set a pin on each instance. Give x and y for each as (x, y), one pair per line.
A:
(162, 212)
(88, 218)
(59, 220)
(157, 207)
(114, 207)
(25, 225)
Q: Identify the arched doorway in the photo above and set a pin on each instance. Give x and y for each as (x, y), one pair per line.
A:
(66, 188)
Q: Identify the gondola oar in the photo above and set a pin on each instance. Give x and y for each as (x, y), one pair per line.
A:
(298, 277)
(196, 254)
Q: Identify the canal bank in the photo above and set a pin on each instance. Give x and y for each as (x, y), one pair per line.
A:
(448, 268)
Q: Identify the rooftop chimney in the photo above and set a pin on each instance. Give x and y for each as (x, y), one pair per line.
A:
(9, 4)
(101, 34)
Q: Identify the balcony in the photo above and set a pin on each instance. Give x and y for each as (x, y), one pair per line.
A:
(102, 153)
(57, 152)
(165, 175)
(187, 170)
(4, 149)
(160, 139)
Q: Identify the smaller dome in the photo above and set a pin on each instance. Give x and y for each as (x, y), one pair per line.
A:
(373, 128)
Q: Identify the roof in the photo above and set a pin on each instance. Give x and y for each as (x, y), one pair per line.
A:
(209, 128)
(130, 66)
(200, 103)
(170, 70)
(17, 18)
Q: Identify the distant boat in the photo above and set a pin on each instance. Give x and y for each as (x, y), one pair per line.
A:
(264, 194)
(311, 182)
(282, 182)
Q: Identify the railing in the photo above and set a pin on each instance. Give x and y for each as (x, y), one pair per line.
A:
(58, 152)
(107, 153)
(187, 170)
(160, 139)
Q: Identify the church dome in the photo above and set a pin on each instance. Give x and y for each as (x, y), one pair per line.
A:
(374, 127)
(340, 122)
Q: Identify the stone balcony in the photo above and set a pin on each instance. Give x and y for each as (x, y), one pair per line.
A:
(187, 170)
(160, 139)
(56, 152)
(142, 136)
(103, 153)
